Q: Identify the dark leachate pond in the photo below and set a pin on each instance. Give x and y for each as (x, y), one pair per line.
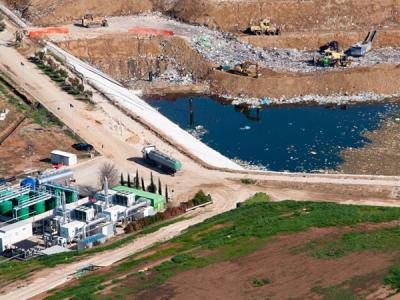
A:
(280, 139)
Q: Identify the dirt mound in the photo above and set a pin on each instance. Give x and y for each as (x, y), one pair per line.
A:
(127, 57)
(293, 14)
(47, 12)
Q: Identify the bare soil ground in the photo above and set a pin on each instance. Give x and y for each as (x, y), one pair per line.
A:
(291, 274)
(14, 153)
(30, 144)
(232, 15)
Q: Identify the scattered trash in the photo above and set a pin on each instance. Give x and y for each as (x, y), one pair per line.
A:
(245, 128)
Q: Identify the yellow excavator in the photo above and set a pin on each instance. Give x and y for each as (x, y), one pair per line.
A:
(333, 58)
(264, 27)
(89, 21)
(247, 68)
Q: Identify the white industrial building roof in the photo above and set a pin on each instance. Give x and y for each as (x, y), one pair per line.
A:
(115, 208)
(62, 153)
(16, 225)
(74, 224)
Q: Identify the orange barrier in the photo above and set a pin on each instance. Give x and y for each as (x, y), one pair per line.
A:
(47, 31)
(151, 31)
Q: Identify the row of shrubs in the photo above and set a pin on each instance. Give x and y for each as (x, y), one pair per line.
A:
(171, 212)
(72, 85)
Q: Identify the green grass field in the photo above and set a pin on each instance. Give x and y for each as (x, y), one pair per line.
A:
(229, 236)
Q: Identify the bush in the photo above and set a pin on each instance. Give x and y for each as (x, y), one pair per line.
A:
(2, 26)
(201, 198)
(248, 181)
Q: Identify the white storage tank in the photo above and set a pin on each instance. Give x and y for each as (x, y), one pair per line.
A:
(63, 158)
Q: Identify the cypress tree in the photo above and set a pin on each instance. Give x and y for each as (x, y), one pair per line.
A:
(159, 187)
(129, 180)
(137, 179)
(152, 188)
(143, 187)
(122, 179)
(166, 194)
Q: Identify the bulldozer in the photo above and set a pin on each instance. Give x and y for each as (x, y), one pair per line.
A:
(247, 68)
(264, 27)
(333, 58)
(89, 20)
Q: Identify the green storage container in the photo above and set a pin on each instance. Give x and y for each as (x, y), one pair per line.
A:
(50, 204)
(5, 207)
(71, 197)
(23, 213)
(39, 208)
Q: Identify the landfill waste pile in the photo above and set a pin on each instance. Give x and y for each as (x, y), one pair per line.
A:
(173, 76)
(227, 51)
(339, 99)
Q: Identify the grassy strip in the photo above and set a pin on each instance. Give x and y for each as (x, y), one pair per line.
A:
(380, 240)
(244, 230)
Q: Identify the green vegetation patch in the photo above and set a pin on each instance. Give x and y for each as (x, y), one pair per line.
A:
(387, 239)
(257, 198)
(393, 278)
(226, 237)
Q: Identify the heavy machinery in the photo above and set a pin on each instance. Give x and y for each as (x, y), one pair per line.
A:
(264, 27)
(360, 49)
(247, 68)
(332, 58)
(332, 45)
(89, 20)
(161, 160)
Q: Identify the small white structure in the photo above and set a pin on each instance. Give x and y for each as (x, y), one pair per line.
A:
(70, 230)
(3, 114)
(14, 233)
(114, 213)
(63, 158)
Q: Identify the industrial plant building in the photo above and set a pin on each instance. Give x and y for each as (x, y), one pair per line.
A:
(49, 209)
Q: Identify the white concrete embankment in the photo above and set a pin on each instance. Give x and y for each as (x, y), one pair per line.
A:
(131, 102)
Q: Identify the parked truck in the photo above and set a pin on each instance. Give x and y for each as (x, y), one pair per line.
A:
(161, 160)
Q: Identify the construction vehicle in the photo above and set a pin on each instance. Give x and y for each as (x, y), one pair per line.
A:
(247, 68)
(360, 49)
(264, 27)
(89, 21)
(333, 59)
(332, 45)
(161, 160)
